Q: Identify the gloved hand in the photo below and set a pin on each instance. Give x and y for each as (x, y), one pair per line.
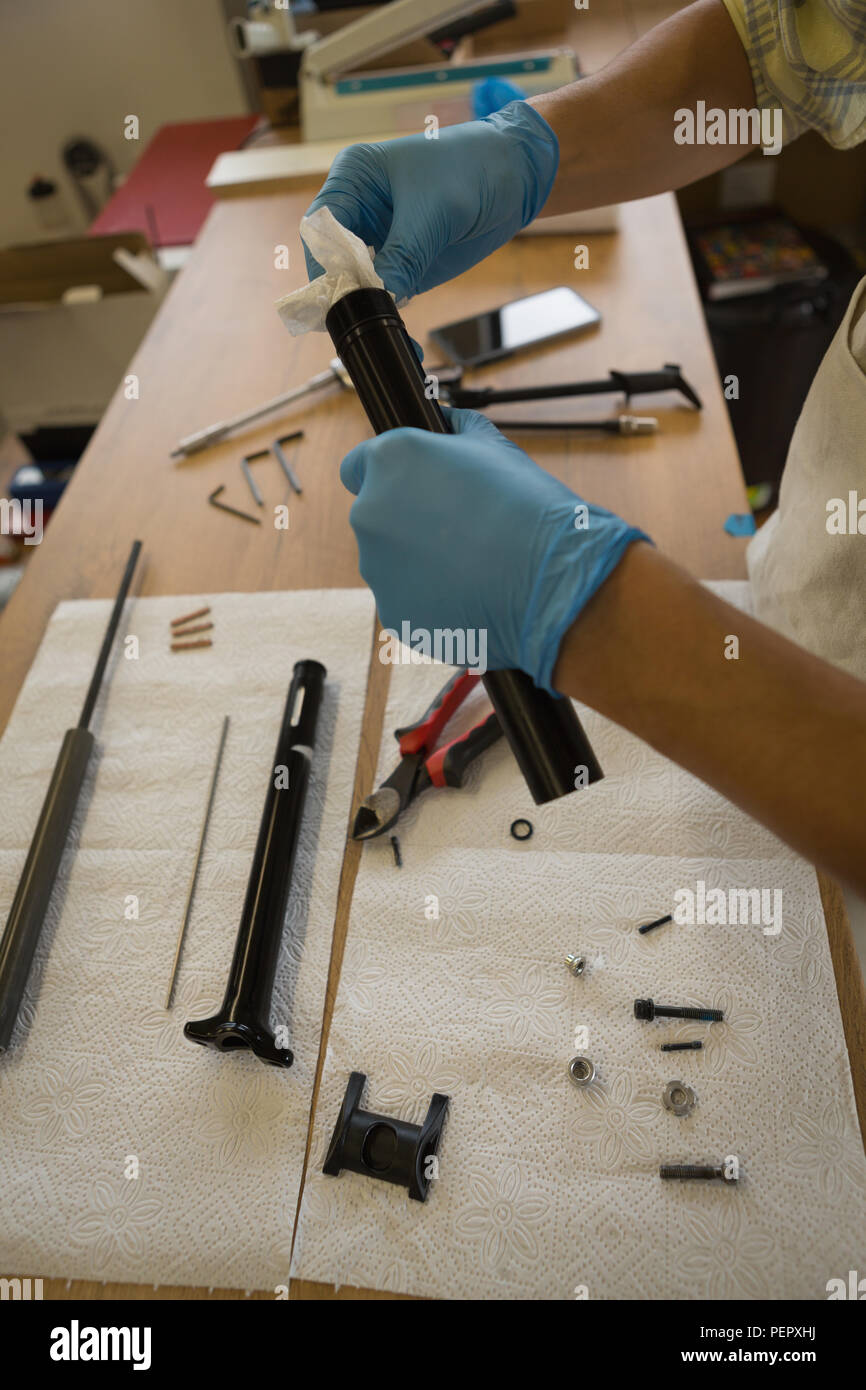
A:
(433, 208)
(465, 532)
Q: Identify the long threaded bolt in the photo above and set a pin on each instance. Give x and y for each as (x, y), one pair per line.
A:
(681, 1047)
(645, 1009)
(695, 1170)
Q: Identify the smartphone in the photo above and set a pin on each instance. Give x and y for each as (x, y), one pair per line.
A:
(520, 324)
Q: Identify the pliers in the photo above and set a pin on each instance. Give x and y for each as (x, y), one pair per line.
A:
(422, 764)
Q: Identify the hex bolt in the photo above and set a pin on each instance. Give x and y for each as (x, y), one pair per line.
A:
(645, 1009)
(695, 1170)
(576, 964)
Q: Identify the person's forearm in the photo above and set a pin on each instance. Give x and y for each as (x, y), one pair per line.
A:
(777, 731)
(616, 128)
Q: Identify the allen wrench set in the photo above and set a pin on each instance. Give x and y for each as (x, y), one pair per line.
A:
(248, 459)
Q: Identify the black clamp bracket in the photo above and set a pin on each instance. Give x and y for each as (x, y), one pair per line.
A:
(380, 1147)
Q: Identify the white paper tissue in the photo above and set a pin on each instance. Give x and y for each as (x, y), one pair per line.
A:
(347, 263)
(453, 980)
(127, 1153)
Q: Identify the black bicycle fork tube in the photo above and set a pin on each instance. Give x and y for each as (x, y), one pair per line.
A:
(244, 1018)
(546, 736)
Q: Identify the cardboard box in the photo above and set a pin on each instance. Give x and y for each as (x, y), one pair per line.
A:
(71, 319)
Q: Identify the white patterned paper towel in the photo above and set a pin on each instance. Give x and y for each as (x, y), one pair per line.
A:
(128, 1153)
(549, 1191)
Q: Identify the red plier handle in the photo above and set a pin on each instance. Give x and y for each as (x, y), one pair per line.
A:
(448, 766)
(422, 736)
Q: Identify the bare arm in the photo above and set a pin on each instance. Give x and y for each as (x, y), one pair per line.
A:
(616, 128)
(777, 731)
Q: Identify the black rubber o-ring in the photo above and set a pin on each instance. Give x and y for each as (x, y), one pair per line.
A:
(516, 824)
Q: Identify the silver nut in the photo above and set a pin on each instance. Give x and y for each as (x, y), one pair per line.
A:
(576, 964)
(679, 1098)
(582, 1071)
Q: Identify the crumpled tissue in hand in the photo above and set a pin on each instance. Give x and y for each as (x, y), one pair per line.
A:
(347, 263)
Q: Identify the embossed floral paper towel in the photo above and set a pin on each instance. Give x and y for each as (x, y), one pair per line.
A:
(128, 1153)
(549, 1191)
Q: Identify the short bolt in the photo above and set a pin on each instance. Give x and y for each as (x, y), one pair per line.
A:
(645, 1009)
(659, 922)
(695, 1170)
(576, 964)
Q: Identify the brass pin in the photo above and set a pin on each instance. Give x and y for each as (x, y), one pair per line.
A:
(188, 617)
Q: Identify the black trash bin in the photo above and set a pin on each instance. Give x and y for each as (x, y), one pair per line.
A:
(773, 343)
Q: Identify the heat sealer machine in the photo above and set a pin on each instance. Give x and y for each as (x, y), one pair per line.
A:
(343, 97)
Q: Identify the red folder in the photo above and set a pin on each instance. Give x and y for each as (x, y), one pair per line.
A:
(165, 195)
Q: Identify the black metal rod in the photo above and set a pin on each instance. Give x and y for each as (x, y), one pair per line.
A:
(559, 426)
(480, 397)
(545, 734)
(243, 1021)
(36, 884)
(108, 639)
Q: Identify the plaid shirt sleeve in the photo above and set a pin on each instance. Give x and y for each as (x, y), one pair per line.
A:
(809, 58)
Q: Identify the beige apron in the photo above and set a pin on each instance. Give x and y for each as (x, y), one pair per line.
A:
(808, 583)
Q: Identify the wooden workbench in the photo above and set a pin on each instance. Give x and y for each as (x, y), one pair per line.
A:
(217, 347)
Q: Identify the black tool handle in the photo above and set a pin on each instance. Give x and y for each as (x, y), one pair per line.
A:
(479, 397)
(669, 378)
(448, 766)
(545, 734)
(33, 894)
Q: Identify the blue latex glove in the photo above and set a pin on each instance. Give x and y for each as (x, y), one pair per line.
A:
(433, 208)
(464, 532)
(492, 94)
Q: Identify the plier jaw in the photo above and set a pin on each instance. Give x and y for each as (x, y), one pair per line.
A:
(383, 808)
(422, 764)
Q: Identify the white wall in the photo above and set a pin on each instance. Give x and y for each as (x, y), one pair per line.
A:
(78, 67)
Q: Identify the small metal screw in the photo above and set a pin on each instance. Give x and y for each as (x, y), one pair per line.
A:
(660, 922)
(679, 1098)
(576, 964)
(681, 1047)
(395, 845)
(581, 1070)
(645, 1009)
(695, 1170)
